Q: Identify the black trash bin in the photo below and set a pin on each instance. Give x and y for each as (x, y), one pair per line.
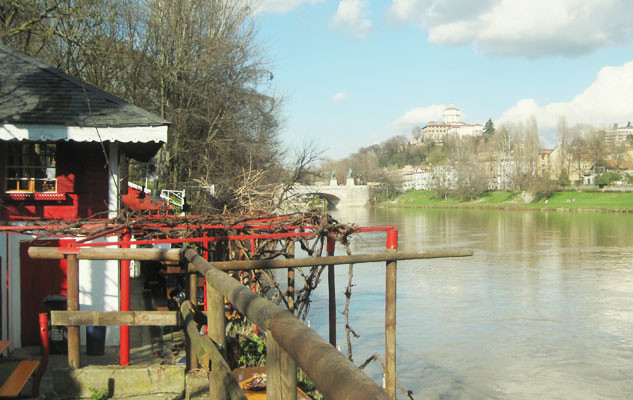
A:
(57, 335)
(95, 340)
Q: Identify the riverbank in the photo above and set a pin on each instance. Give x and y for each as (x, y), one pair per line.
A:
(559, 201)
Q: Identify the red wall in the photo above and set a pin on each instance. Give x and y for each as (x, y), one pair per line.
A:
(38, 279)
(82, 174)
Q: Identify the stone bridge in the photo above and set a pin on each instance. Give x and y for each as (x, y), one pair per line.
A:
(337, 195)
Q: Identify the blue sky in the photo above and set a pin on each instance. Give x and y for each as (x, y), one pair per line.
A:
(356, 72)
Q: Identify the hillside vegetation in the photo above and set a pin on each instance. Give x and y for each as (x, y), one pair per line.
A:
(616, 201)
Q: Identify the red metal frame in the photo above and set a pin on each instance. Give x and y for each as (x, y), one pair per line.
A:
(72, 247)
(124, 300)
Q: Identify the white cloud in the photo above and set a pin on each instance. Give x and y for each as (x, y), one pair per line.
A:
(340, 97)
(418, 116)
(531, 28)
(605, 102)
(351, 16)
(280, 6)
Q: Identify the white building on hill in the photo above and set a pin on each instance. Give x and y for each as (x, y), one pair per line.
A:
(619, 134)
(427, 177)
(451, 125)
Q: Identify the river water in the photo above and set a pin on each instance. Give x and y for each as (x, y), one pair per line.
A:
(543, 310)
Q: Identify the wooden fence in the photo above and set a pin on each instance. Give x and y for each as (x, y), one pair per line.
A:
(290, 344)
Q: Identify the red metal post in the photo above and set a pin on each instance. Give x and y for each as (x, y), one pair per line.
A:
(331, 286)
(390, 317)
(44, 351)
(124, 300)
(207, 256)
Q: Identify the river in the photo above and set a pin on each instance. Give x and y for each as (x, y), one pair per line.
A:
(544, 309)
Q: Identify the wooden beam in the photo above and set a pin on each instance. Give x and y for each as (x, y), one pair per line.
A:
(116, 318)
(174, 255)
(92, 253)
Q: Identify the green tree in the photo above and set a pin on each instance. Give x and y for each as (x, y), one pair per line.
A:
(489, 128)
(607, 178)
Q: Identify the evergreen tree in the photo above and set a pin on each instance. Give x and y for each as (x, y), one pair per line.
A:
(489, 128)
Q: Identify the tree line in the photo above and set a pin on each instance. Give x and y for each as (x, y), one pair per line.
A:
(508, 157)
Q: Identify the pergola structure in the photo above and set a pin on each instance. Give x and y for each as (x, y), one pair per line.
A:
(254, 242)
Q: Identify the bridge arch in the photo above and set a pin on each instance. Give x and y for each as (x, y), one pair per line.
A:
(336, 196)
(331, 199)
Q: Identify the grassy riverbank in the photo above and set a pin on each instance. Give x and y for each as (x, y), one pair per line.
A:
(581, 201)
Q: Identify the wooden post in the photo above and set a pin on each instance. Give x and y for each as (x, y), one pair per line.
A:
(291, 279)
(73, 305)
(215, 317)
(281, 372)
(390, 317)
(331, 285)
(222, 383)
(192, 294)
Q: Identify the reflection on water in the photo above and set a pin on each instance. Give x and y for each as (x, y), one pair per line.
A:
(544, 309)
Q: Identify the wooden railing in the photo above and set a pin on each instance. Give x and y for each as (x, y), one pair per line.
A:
(290, 344)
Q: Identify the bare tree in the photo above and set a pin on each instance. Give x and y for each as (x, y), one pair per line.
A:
(194, 62)
(596, 149)
(577, 151)
(618, 153)
(470, 179)
(503, 146)
(564, 138)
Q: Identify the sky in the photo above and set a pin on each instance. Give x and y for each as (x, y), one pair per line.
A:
(353, 73)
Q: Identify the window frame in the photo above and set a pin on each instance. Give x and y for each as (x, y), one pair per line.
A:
(29, 167)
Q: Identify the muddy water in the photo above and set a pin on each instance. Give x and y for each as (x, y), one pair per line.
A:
(544, 309)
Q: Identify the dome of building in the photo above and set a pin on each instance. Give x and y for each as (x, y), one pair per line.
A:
(452, 115)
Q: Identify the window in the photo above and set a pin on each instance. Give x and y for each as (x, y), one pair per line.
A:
(31, 167)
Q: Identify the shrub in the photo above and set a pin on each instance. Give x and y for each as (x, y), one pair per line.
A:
(563, 178)
(607, 178)
(544, 188)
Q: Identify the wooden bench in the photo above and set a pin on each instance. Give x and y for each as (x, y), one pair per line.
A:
(20, 375)
(15, 383)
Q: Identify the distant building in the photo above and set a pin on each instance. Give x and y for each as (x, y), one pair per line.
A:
(416, 178)
(427, 177)
(451, 125)
(618, 135)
